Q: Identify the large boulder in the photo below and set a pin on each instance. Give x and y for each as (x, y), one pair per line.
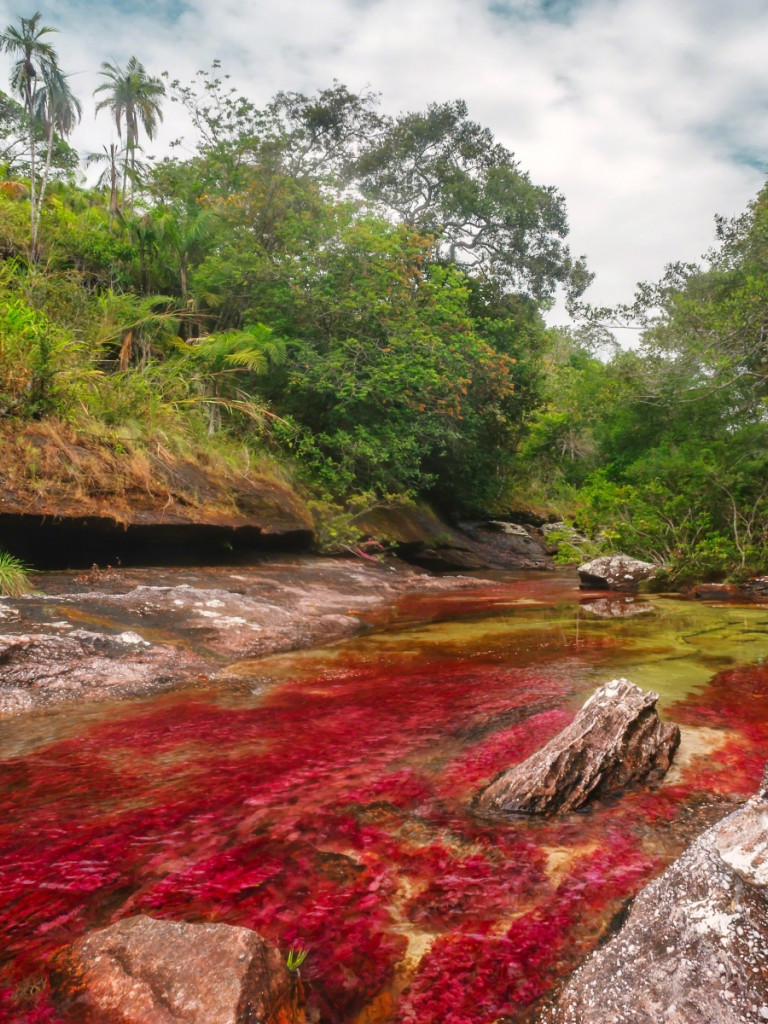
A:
(145, 971)
(421, 537)
(615, 572)
(694, 949)
(617, 738)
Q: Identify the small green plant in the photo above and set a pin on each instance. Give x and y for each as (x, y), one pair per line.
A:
(295, 958)
(14, 575)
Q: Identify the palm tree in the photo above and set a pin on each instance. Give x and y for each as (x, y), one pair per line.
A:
(57, 109)
(133, 98)
(112, 155)
(36, 62)
(182, 231)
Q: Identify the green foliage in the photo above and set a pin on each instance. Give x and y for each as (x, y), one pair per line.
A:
(259, 290)
(14, 576)
(35, 356)
(443, 173)
(295, 958)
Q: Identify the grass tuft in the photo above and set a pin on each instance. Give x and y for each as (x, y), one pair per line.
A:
(14, 576)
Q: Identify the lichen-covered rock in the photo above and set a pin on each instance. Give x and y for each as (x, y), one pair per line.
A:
(694, 949)
(144, 971)
(617, 738)
(615, 572)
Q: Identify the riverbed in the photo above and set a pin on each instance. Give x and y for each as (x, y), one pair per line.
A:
(323, 795)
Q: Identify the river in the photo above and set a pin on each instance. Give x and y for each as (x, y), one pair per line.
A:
(324, 798)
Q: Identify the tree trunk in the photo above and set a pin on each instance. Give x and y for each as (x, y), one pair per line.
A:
(114, 205)
(30, 115)
(44, 183)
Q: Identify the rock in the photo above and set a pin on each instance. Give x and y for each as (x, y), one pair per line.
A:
(38, 669)
(512, 529)
(41, 669)
(144, 971)
(694, 949)
(615, 572)
(756, 587)
(212, 619)
(522, 541)
(104, 506)
(616, 738)
(421, 537)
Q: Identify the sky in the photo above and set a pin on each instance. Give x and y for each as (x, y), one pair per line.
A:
(650, 116)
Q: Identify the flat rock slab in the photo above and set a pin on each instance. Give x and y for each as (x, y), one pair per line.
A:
(128, 632)
(615, 572)
(617, 738)
(145, 971)
(37, 669)
(694, 949)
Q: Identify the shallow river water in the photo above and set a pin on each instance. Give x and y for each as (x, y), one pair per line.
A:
(324, 798)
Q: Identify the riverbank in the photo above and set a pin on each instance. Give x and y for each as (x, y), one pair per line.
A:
(114, 633)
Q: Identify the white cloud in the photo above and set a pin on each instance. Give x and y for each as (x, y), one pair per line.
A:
(648, 116)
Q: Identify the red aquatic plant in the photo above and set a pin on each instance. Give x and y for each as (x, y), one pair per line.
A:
(334, 813)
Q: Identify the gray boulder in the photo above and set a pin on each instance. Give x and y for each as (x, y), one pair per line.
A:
(694, 949)
(615, 572)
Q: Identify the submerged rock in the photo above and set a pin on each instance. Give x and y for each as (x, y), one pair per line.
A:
(144, 971)
(37, 669)
(616, 738)
(694, 949)
(187, 627)
(615, 572)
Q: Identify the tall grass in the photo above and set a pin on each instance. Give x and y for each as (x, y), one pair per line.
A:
(14, 576)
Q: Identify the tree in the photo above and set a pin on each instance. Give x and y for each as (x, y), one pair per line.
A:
(109, 177)
(14, 143)
(36, 64)
(184, 232)
(444, 174)
(134, 98)
(58, 110)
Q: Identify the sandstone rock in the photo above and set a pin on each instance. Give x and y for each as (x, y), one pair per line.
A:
(615, 572)
(36, 669)
(419, 536)
(144, 971)
(117, 507)
(213, 619)
(756, 587)
(616, 738)
(694, 949)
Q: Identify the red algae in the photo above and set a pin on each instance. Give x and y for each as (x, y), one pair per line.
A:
(333, 813)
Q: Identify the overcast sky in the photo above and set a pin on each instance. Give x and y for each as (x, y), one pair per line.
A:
(649, 115)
